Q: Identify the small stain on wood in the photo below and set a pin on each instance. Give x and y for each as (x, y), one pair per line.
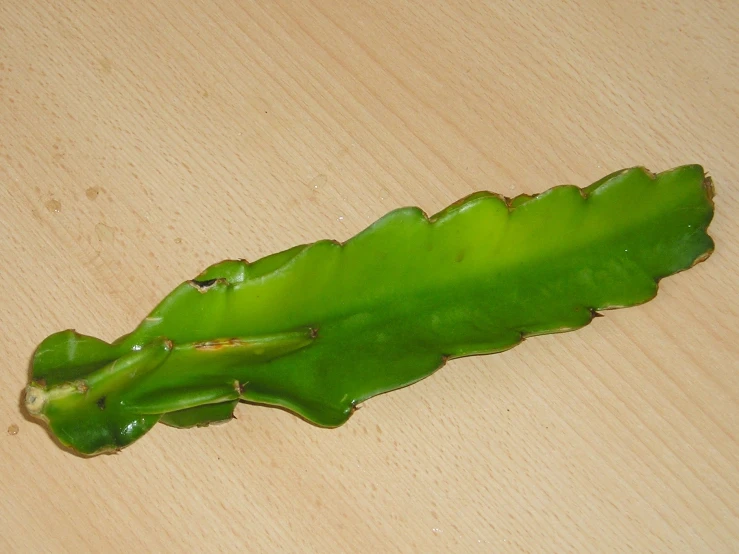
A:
(92, 193)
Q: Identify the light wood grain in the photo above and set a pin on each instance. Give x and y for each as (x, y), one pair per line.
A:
(142, 141)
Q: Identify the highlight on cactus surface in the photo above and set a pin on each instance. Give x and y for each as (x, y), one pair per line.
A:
(319, 328)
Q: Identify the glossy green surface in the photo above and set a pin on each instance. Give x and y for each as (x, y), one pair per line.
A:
(321, 327)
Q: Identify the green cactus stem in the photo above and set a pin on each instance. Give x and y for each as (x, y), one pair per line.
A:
(320, 328)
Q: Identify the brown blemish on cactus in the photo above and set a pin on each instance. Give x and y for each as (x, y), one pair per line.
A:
(702, 257)
(218, 344)
(206, 285)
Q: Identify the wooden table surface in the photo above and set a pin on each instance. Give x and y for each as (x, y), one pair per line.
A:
(142, 141)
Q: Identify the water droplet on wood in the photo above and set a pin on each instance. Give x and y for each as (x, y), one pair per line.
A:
(106, 66)
(318, 181)
(53, 205)
(13, 429)
(104, 232)
(92, 193)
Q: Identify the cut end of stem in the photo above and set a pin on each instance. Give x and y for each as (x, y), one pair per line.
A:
(36, 398)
